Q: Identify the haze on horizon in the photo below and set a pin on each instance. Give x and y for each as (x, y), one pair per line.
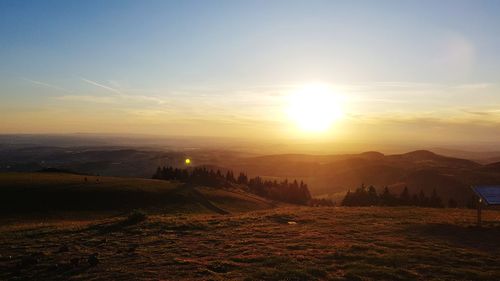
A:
(406, 72)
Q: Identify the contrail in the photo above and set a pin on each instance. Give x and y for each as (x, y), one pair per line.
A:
(101, 85)
(46, 85)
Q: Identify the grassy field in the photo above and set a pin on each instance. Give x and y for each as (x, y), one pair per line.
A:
(61, 194)
(287, 243)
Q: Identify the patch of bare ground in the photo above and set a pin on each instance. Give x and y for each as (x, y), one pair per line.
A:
(280, 244)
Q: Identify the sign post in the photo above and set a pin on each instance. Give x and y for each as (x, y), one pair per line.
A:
(489, 194)
(479, 208)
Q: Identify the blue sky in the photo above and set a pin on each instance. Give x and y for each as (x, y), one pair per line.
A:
(165, 66)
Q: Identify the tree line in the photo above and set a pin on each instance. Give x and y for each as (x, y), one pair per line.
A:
(285, 191)
(291, 192)
(368, 196)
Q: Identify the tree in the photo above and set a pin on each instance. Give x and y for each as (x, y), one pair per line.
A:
(304, 189)
(404, 197)
(386, 198)
(435, 201)
(291, 192)
(423, 201)
(372, 196)
(230, 176)
(242, 179)
(347, 201)
(364, 196)
(361, 197)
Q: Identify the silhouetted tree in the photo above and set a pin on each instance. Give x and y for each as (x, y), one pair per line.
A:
(230, 176)
(372, 196)
(242, 179)
(404, 197)
(423, 201)
(435, 201)
(316, 202)
(387, 199)
(347, 201)
(284, 191)
(363, 196)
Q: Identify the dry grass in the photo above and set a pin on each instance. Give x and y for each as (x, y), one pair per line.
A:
(323, 244)
(53, 194)
(62, 181)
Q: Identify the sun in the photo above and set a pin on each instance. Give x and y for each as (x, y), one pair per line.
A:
(315, 107)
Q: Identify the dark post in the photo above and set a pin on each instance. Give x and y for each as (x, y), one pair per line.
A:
(479, 207)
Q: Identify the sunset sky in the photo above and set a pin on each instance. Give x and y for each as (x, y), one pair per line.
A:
(400, 71)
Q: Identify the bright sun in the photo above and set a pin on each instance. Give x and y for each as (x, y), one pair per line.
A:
(314, 107)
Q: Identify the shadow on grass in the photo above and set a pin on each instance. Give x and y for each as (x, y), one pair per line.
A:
(482, 238)
(284, 268)
(135, 217)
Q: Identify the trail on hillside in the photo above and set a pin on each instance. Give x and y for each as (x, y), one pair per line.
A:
(205, 202)
(200, 198)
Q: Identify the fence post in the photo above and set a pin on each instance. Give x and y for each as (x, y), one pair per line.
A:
(479, 207)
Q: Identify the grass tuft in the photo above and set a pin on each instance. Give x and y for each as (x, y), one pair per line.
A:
(135, 217)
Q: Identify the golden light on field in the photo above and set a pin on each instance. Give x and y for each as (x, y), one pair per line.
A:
(187, 161)
(315, 107)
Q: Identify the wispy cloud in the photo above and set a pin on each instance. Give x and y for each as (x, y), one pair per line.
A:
(40, 83)
(477, 113)
(113, 99)
(87, 98)
(121, 95)
(100, 85)
(483, 112)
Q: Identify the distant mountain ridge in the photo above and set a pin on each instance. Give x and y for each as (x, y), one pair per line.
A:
(329, 175)
(418, 170)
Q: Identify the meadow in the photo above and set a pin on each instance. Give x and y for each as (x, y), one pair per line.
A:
(284, 243)
(56, 195)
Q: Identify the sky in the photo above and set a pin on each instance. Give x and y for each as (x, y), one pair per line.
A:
(405, 71)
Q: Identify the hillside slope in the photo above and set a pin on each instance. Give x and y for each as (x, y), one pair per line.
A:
(418, 170)
(326, 175)
(52, 192)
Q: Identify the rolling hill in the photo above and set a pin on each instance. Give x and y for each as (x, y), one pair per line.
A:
(418, 170)
(55, 192)
(326, 175)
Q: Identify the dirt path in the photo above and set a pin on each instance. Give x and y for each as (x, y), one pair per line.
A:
(205, 202)
(200, 198)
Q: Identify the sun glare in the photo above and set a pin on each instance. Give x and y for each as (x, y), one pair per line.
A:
(315, 107)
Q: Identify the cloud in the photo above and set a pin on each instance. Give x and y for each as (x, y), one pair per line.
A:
(479, 117)
(101, 85)
(114, 99)
(483, 113)
(119, 96)
(477, 113)
(46, 85)
(87, 98)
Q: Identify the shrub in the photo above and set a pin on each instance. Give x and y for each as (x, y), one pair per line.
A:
(136, 216)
